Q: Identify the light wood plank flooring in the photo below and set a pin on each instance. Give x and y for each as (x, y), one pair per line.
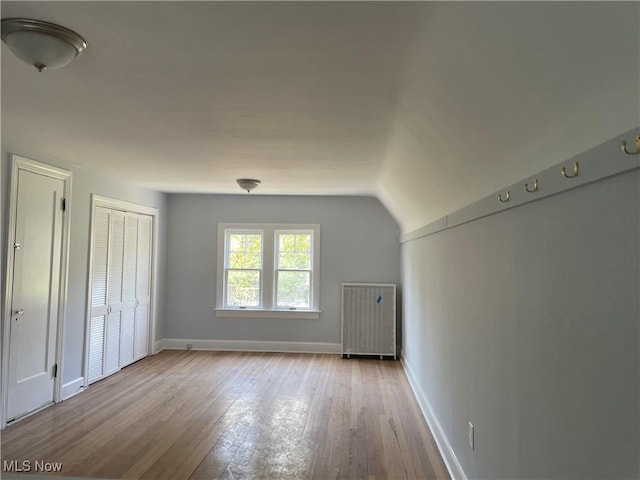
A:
(230, 415)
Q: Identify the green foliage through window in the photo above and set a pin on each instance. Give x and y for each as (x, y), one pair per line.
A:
(244, 262)
(294, 251)
(294, 270)
(268, 267)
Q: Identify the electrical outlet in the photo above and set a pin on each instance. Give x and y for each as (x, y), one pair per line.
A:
(471, 444)
(189, 346)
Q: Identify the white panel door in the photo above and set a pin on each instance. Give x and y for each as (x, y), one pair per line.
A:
(99, 284)
(143, 286)
(129, 289)
(35, 295)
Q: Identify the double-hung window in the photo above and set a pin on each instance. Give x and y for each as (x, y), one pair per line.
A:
(293, 268)
(243, 268)
(267, 270)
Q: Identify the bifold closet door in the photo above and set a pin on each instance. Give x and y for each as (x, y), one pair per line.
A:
(115, 300)
(106, 293)
(99, 281)
(121, 290)
(143, 286)
(129, 290)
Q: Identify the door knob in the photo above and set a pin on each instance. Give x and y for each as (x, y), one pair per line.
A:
(19, 312)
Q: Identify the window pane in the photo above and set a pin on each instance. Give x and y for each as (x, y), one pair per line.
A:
(294, 289)
(286, 260)
(243, 288)
(303, 261)
(253, 243)
(294, 251)
(236, 242)
(303, 243)
(252, 260)
(287, 242)
(245, 251)
(236, 260)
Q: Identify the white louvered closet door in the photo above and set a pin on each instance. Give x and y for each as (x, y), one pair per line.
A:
(121, 290)
(99, 281)
(143, 286)
(114, 294)
(129, 289)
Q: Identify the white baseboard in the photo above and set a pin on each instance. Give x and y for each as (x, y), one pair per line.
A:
(249, 346)
(448, 455)
(72, 388)
(158, 346)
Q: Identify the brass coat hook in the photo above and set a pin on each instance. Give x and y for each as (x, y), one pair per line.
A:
(535, 187)
(575, 171)
(623, 146)
(506, 198)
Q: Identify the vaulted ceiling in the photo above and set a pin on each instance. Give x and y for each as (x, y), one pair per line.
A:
(428, 106)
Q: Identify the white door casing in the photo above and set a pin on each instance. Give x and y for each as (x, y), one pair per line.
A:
(35, 287)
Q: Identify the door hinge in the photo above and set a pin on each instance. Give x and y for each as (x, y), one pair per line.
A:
(64, 204)
(55, 371)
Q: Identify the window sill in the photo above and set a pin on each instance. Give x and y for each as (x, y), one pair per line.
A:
(249, 313)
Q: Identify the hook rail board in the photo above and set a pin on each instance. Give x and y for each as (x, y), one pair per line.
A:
(605, 160)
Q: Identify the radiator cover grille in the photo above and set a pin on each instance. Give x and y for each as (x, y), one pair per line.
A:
(369, 319)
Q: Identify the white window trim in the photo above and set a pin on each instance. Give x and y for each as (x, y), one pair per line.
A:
(268, 277)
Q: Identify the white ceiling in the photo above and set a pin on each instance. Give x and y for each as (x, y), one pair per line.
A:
(429, 106)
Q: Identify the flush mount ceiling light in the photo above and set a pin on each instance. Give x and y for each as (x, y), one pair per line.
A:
(248, 184)
(41, 44)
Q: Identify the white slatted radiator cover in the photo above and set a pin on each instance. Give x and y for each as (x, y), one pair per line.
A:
(369, 319)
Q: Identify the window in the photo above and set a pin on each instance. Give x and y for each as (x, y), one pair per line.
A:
(243, 268)
(268, 270)
(293, 269)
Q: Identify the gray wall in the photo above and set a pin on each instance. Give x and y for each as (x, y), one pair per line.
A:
(526, 323)
(84, 184)
(358, 243)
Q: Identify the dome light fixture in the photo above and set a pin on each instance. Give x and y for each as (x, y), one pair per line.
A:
(248, 184)
(41, 44)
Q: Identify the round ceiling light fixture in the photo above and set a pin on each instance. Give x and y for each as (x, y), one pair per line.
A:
(248, 184)
(41, 44)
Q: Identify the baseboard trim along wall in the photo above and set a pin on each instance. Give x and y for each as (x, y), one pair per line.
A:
(248, 346)
(448, 455)
(158, 346)
(72, 388)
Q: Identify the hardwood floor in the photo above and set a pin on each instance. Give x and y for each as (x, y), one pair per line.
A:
(230, 415)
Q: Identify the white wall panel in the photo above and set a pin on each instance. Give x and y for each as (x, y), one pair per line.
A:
(359, 243)
(525, 323)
